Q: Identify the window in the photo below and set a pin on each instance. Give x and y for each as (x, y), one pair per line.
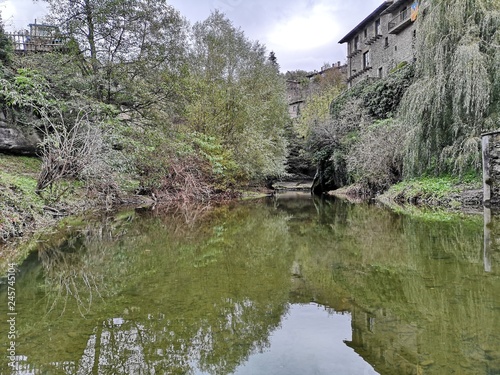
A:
(403, 14)
(365, 33)
(366, 59)
(380, 72)
(378, 28)
(356, 43)
(386, 42)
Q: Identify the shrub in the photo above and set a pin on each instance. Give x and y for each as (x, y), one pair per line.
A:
(376, 159)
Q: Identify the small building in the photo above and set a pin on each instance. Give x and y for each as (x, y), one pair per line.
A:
(381, 41)
(299, 92)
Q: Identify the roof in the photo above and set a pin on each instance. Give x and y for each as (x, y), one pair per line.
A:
(373, 15)
(42, 25)
(395, 5)
(336, 67)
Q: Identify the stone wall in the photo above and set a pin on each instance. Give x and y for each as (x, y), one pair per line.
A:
(491, 170)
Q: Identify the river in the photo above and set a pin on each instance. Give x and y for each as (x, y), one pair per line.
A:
(285, 285)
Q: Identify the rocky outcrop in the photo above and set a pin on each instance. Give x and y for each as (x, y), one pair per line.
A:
(18, 140)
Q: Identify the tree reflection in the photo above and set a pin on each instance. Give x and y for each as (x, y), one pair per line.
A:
(157, 295)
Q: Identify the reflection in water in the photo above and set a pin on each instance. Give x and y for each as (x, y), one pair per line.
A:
(487, 239)
(311, 341)
(289, 285)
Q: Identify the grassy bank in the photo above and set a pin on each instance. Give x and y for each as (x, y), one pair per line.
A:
(444, 192)
(25, 215)
(20, 207)
(429, 198)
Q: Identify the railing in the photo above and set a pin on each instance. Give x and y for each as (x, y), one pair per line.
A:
(398, 22)
(28, 43)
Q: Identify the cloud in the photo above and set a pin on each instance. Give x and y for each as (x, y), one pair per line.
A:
(17, 14)
(302, 33)
(8, 10)
(306, 30)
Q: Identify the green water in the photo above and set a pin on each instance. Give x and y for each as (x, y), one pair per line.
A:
(278, 286)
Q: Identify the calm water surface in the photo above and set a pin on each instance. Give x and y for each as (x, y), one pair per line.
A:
(280, 286)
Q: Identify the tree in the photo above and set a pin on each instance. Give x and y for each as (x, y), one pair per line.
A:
(237, 96)
(457, 91)
(129, 44)
(5, 45)
(274, 60)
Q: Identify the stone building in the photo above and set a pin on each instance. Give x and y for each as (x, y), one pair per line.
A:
(384, 39)
(296, 97)
(298, 92)
(327, 70)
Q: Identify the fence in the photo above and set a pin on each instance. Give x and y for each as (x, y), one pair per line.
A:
(35, 43)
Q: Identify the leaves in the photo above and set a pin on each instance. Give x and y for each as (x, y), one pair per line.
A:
(455, 97)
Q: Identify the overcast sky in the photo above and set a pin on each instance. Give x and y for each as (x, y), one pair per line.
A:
(304, 34)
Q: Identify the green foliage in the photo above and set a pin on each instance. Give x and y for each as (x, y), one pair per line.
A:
(350, 146)
(221, 160)
(238, 97)
(316, 111)
(437, 187)
(127, 101)
(382, 98)
(6, 49)
(443, 191)
(28, 89)
(455, 97)
(375, 160)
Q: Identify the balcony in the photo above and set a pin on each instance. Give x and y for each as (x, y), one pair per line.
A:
(373, 39)
(401, 21)
(355, 52)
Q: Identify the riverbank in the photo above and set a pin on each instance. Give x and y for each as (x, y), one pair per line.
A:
(444, 193)
(25, 216)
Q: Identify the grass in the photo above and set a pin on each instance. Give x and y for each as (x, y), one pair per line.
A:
(444, 191)
(24, 165)
(431, 187)
(19, 204)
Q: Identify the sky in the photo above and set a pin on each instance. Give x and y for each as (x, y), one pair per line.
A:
(304, 34)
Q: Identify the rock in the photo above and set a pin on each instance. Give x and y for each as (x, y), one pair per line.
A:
(472, 198)
(18, 140)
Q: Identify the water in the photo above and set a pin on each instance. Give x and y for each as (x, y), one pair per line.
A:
(280, 286)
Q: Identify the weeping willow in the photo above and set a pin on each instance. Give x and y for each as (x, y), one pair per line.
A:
(456, 95)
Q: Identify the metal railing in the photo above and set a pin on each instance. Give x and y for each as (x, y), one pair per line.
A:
(400, 19)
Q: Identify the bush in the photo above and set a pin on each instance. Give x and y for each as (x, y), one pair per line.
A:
(352, 146)
(376, 160)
